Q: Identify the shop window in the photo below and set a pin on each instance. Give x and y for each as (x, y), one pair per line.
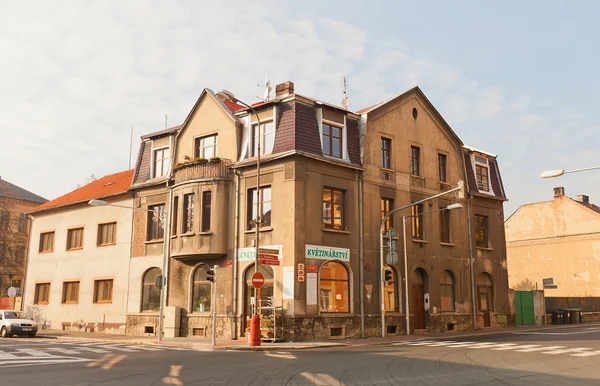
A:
(150, 292)
(334, 288)
(390, 289)
(201, 294)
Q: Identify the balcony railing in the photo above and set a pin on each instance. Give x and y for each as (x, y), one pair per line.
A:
(202, 169)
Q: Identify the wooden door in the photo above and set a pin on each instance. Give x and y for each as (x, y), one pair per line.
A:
(419, 305)
(485, 306)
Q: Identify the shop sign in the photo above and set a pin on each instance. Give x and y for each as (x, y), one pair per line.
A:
(326, 253)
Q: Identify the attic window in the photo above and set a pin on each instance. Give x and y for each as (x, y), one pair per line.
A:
(109, 184)
(482, 174)
(415, 113)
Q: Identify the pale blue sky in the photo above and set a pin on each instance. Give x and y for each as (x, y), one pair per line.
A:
(518, 79)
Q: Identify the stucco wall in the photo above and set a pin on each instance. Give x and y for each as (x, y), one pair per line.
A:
(85, 265)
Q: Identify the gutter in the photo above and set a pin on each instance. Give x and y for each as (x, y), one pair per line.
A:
(361, 274)
(235, 253)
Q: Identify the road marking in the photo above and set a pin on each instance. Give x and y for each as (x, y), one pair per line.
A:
(507, 346)
(461, 344)
(61, 350)
(34, 353)
(532, 349)
(483, 345)
(420, 343)
(566, 351)
(556, 333)
(5, 355)
(140, 347)
(442, 343)
(119, 348)
(173, 378)
(586, 354)
(94, 349)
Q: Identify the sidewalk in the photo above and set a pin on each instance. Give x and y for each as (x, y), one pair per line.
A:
(241, 344)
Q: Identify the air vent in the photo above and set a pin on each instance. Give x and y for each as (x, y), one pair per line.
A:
(148, 329)
(392, 329)
(336, 332)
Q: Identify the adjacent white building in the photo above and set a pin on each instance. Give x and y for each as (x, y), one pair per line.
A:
(79, 261)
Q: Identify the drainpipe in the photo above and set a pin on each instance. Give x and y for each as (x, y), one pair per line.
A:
(235, 253)
(470, 237)
(27, 252)
(361, 293)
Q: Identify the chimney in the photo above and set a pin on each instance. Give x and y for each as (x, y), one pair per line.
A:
(559, 192)
(284, 89)
(583, 198)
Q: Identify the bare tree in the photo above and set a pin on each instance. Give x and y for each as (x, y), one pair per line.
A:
(13, 240)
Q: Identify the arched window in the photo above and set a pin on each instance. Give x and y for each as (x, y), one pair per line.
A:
(265, 292)
(390, 290)
(201, 298)
(447, 291)
(150, 292)
(334, 288)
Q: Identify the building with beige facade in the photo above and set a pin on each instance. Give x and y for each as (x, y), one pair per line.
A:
(79, 260)
(327, 177)
(558, 239)
(15, 226)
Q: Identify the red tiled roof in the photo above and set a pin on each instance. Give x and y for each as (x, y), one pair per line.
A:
(104, 187)
(231, 105)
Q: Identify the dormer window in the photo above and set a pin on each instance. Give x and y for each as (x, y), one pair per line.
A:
(161, 162)
(206, 147)
(332, 140)
(482, 173)
(267, 138)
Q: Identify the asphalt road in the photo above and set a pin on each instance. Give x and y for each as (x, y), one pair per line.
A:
(550, 357)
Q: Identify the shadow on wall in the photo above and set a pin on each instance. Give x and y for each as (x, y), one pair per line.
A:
(37, 315)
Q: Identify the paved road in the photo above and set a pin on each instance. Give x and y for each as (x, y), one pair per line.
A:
(551, 357)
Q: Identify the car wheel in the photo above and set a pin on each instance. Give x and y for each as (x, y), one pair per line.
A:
(3, 333)
(32, 335)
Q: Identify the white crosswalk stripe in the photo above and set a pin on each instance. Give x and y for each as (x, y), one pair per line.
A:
(61, 350)
(93, 349)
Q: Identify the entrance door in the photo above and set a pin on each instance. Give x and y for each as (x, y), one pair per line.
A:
(485, 296)
(524, 308)
(418, 290)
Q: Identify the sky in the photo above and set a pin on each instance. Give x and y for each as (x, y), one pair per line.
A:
(516, 79)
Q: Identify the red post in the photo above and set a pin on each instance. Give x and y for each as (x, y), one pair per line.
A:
(254, 331)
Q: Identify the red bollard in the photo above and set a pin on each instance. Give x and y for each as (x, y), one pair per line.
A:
(254, 331)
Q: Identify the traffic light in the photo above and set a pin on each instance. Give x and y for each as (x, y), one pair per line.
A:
(388, 275)
(210, 275)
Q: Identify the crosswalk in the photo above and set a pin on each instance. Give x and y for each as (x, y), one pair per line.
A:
(42, 352)
(497, 346)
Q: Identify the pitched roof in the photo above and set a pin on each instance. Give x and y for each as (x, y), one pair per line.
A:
(231, 105)
(170, 130)
(14, 191)
(106, 186)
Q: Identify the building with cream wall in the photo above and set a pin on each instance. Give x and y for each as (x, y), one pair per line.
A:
(63, 277)
(558, 239)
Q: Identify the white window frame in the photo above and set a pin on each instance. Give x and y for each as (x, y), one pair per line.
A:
(153, 162)
(215, 145)
(475, 162)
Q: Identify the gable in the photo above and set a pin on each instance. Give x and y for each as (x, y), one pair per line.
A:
(208, 117)
(557, 218)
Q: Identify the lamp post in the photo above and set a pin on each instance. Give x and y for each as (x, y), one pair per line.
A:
(164, 219)
(449, 207)
(560, 172)
(459, 188)
(258, 221)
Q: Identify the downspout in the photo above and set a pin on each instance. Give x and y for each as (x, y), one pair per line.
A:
(235, 253)
(168, 242)
(470, 237)
(130, 257)
(361, 255)
(25, 276)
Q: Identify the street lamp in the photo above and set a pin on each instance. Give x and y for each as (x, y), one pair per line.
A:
(164, 219)
(461, 194)
(449, 207)
(560, 172)
(227, 95)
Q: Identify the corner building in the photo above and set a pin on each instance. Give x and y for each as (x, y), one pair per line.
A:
(322, 190)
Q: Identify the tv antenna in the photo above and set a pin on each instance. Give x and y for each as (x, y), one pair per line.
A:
(345, 100)
(267, 92)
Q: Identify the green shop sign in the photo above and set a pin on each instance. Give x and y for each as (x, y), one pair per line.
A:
(326, 253)
(249, 254)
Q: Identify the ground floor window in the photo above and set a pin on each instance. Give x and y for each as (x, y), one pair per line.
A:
(334, 288)
(201, 297)
(150, 292)
(447, 291)
(103, 291)
(390, 289)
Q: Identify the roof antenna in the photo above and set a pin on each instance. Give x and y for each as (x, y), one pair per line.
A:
(267, 92)
(165, 121)
(345, 100)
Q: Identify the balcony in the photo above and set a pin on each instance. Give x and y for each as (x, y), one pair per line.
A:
(202, 169)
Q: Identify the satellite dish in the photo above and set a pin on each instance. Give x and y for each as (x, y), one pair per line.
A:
(346, 102)
(227, 94)
(267, 93)
(12, 292)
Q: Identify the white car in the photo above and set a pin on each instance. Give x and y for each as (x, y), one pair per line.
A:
(16, 323)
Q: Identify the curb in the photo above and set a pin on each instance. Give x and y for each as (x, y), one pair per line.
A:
(283, 348)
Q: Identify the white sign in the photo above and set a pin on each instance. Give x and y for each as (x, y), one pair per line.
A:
(288, 282)
(326, 253)
(249, 254)
(311, 289)
(12, 292)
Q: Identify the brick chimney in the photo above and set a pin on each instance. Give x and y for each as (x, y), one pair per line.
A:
(284, 89)
(583, 198)
(559, 192)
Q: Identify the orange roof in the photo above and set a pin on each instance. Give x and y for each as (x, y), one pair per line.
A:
(232, 105)
(104, 187)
